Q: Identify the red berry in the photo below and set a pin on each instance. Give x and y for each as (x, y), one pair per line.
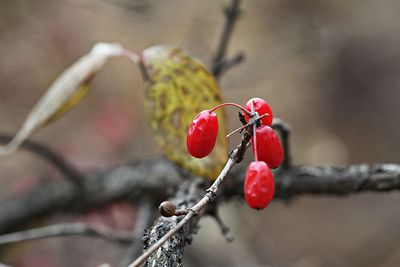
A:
(259, 187)
(261, 107)
(269, 148)
(202, 134)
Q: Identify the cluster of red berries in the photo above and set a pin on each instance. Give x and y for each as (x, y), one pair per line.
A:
(259, 187)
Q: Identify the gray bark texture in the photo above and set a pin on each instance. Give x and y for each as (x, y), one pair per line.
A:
(171, 253)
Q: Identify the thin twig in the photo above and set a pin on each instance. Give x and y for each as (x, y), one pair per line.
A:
(195, 210)
(171, 253)
(214, 212)
(224, 228)
(220, 63)
(199, 207)
(69, 171)
(67, 229)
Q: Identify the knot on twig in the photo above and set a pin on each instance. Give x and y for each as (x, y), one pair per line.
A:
(168, 209)
(210, 193)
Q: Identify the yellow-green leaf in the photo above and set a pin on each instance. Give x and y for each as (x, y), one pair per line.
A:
(179, 88)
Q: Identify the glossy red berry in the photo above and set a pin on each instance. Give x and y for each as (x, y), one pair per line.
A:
(261, 107)
(202, 134)
(269, 148)
(259, 187)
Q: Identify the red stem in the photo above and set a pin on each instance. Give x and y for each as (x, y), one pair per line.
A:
(232, 104)
(255, 142)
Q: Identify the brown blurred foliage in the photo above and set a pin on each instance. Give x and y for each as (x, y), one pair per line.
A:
(328, 68)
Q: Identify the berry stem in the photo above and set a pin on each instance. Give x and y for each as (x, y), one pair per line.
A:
(255, 142)
(235, 105)
(254, 134)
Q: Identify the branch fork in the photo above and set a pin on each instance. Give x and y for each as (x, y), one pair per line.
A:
(200, 206)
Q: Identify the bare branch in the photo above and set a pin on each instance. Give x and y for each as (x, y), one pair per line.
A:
(69, 171)
(284, 130)
(128, 182)
(326, 180)
(220, 63)
(197, 209)
(67, 229)
(225, 230)
(333, 180)
(165, 249)
(188, 194)
(153, 177)
(194, 211)
(224, 64)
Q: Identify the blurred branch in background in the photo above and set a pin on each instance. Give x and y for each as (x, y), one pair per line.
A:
(68, 229)
(69, 171)
(221, 63)
(284, 130)
(126, 182)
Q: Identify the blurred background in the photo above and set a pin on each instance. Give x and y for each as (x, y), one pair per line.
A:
(328, 68)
